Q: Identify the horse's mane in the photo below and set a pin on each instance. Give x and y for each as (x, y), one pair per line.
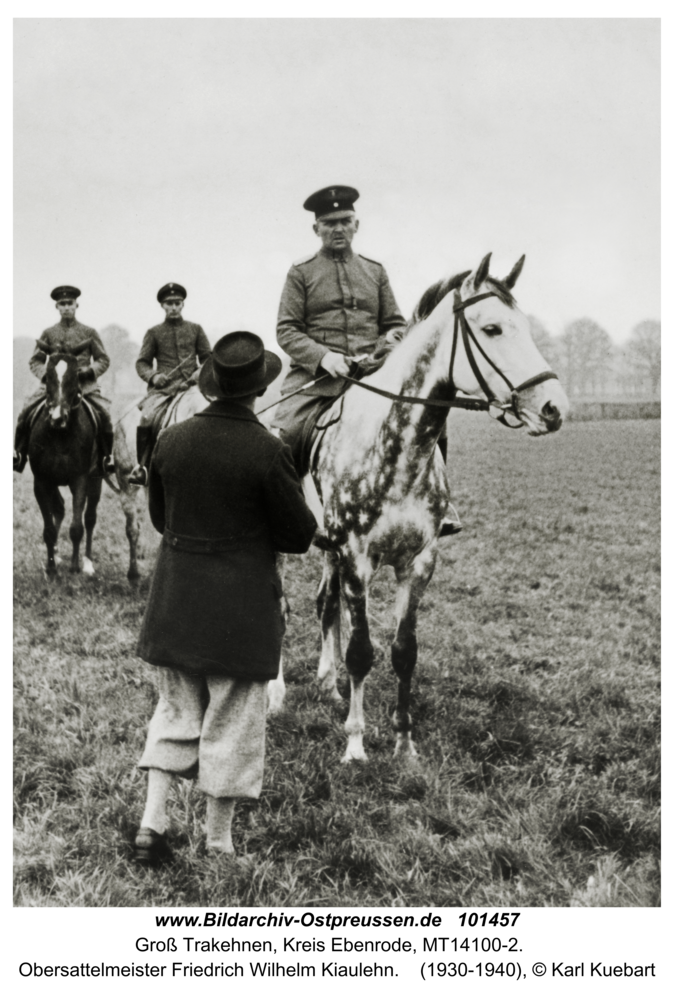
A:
(436, 293)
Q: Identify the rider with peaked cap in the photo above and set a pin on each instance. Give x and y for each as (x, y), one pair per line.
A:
(92, 362)
(174, 345)
(335, 305)
(225, 496)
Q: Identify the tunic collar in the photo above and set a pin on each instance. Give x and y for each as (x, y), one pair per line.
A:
(337, 255)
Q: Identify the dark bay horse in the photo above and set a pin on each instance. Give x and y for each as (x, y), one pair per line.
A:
(62, 452)
(381, 479)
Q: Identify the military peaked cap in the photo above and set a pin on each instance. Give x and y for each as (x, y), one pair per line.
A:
(331, 199)
(65, 292)
(172, 290)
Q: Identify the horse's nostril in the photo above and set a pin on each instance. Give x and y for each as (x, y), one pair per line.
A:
(552, 416)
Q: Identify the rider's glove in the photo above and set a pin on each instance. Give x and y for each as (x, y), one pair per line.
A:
(158, 381)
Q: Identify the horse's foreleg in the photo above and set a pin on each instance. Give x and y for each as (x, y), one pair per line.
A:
(327, 607)
(359, 659)
(94, 488)
(58, 509)
(44, 494)
(78, 488)
(276, 689)
(412, 582)
(131, 497)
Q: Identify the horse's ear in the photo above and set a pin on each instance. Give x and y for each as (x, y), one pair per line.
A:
(482, 271)
(43, 346)
(80, 348)
(509, 282)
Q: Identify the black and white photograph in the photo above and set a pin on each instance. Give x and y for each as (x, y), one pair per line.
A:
(336, 490)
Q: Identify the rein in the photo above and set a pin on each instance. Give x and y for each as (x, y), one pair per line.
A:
(469, 402)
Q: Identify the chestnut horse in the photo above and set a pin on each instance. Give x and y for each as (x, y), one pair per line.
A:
(62, 451)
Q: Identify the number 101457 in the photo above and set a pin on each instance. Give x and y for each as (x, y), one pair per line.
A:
(485, 920)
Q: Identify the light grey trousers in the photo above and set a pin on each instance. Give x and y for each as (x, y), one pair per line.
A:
(213, 727)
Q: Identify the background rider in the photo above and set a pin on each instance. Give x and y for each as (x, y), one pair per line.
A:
(92, 362)
(175, 346)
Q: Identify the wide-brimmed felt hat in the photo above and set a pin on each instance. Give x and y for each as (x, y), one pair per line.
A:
(239, 366)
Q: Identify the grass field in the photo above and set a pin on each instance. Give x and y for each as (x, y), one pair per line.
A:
(536, 710)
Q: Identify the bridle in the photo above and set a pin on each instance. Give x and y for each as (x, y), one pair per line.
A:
(79, 395)
(512, 407)
(467, 335)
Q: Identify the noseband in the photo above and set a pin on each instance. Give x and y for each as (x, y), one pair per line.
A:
(512, 407)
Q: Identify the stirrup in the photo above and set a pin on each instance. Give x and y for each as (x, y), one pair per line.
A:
(19, 461)
(138, 476)
(108, 465)
(451, 524)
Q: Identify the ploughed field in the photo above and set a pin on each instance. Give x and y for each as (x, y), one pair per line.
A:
(535, 707)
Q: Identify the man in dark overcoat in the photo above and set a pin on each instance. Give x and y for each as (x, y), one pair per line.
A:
(224, 494)
(336, 305)
(168, 362)
(63, 337)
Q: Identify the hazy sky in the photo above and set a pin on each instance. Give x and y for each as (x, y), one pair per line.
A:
(150, 151)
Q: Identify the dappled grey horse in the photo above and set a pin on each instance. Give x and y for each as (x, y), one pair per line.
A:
(381, 479)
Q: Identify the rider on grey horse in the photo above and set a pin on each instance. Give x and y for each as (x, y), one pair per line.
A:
(336, 305)
(92, 362)
(175, 345)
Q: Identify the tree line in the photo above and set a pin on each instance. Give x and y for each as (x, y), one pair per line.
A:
(591, 366)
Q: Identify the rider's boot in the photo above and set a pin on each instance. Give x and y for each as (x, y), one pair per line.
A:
(451, 524)
(138, 475)
(107, 461)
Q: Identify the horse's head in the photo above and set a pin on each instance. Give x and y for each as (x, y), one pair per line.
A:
(63, 380)
(499, 358)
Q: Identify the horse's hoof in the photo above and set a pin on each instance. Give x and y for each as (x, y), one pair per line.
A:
(354, 751)
(405, 747)
(88, 567)
(75, 569)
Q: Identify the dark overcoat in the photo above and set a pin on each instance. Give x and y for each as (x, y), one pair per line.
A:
(225, 496)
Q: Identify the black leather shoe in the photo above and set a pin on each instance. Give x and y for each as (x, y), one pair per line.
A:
(138, 476)
(108, 465)
(151, 848)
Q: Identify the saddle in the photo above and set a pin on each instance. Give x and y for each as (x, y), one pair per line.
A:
(306, 447)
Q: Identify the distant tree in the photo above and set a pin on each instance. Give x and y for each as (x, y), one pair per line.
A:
(24, 380)
(543, 341)
(642, 352)
(122, 351)
(585, 352)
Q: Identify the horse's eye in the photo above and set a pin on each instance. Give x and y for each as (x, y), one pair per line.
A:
(492, 329)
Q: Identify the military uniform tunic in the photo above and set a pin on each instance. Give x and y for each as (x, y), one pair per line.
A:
(172, 343)
(66, 336)
(338, 302)
(331, 301)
